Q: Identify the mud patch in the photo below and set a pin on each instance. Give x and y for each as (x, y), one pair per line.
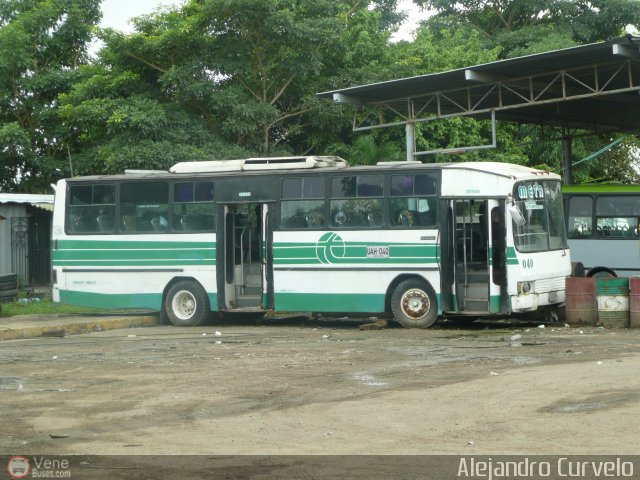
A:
(601, 401)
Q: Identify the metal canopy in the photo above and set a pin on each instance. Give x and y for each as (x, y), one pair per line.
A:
(592, 87)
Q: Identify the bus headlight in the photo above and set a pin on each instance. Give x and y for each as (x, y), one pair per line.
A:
(524, 287)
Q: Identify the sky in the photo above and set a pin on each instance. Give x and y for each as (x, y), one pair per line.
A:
(116, 14)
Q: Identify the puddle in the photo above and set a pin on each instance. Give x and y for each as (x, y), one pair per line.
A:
(369, 380)
(9, 383)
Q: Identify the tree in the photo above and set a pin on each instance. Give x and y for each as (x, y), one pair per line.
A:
(42, 42)
(524, 27)
(520, 28)
(250, 69)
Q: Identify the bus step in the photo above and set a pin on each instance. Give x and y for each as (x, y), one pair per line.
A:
(477, 291)
(249, 300)
(475, 306)
(249, 290)
(253, 279)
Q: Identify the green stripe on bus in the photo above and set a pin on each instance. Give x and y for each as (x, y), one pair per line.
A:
(495, 305)
(189, 254)
(128, 244)
(329, 302)
(356, 252)
(133, 263)
(511, 256)
(133, 253)
(152, 301)
(334, 302)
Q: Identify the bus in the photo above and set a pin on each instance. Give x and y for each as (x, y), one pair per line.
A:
(602, 226)
(313, 234)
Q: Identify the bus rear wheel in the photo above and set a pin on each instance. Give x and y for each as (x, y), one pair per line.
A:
(186, 304)
(414, 304)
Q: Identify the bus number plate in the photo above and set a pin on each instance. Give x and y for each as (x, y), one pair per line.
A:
(527, 263)
(377, 252)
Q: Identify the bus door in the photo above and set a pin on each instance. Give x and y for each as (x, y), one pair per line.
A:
(245, 273)
(470, 255)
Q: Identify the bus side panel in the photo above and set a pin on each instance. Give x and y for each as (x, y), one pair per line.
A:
(619, 254)
(131, 271)
(348, 271)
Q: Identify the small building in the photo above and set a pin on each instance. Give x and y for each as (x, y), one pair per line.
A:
(25, 237)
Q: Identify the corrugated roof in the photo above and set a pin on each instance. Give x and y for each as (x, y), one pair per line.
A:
(44, 202)
(594, 86)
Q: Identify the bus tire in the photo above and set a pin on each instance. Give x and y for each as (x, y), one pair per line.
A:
(186, 304)
(414, 304)
(603, 272)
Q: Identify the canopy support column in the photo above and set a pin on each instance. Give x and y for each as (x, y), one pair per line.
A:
(566, 158)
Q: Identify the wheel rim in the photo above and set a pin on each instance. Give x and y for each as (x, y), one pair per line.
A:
(415, 303)
(183, 305)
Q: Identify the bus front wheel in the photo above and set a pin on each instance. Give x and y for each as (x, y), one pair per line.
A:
(186, 304)
(414, 304)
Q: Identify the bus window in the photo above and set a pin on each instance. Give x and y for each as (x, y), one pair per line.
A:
(541, 205)
(193, 209)
(617, 216)
(302, 203)
(91, 209)
(357, 201)
(144, 207)
(580, 217)
(406, 208)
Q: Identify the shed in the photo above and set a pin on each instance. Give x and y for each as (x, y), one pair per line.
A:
(25, 237)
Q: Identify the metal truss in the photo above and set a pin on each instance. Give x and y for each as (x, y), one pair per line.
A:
(488, 94)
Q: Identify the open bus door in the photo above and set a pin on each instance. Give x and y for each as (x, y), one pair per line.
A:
(245, 272)
(474, 257)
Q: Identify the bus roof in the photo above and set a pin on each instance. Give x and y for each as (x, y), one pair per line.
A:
(266, 163)
(601, 188)
(504, 169)
(313, 164)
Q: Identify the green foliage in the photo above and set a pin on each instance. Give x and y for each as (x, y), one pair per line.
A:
(216, 79)
(538, 25)
(367, 150)
(41, 43)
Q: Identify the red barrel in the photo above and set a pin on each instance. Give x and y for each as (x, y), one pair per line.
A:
(634, 302)
(581, 305)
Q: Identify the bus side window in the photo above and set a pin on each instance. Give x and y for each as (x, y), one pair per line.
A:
(81, 220)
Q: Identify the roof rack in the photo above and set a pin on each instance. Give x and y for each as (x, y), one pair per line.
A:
(267, 163)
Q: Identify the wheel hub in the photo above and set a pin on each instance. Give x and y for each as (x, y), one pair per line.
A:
(415, 303)
(184, 305)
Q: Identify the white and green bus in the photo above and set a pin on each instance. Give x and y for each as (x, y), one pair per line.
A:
(312, 234)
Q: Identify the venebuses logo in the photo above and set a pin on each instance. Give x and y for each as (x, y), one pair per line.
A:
(18, 467)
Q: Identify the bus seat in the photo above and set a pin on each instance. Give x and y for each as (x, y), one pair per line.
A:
(105, 222)
(340, 218)
(375, 218)
(406, 217)
(314, 220)
(159, 223)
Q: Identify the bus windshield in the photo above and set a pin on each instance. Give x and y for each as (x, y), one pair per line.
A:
(541, 207)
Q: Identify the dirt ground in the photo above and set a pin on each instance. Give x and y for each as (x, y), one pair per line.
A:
(303, 386)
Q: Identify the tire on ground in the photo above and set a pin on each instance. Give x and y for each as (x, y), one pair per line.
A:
(186, 304)
(414, 304)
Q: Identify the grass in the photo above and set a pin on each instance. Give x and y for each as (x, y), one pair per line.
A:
(43, 306)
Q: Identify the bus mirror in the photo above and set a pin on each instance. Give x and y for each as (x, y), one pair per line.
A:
(516, 214)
